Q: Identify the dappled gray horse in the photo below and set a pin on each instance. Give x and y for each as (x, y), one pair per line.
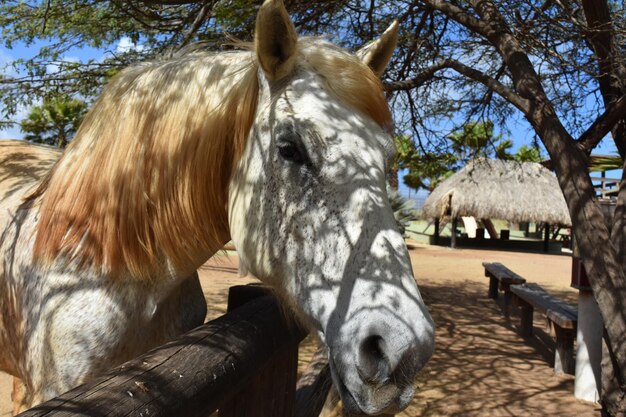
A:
(283, 147)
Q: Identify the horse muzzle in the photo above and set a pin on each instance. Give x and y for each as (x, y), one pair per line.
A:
(374, 369)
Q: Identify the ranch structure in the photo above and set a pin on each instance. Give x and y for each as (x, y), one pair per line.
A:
(486, 189)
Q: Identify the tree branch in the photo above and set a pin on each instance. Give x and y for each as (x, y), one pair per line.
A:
(200, 18)
(601, 35)
(459, 15)
(462, 69)
(602, 125)
(418, 80)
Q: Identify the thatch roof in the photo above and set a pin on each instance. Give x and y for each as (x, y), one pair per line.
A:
(506, 190)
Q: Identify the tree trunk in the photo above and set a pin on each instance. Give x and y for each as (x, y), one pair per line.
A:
(601, 257)
(613, 385)
(611, 78)
(62, 139)
(611, 70)
(393, 178)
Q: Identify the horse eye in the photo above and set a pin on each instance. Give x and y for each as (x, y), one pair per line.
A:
(289, 151)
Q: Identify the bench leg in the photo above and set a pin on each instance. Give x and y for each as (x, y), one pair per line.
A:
(526, 319)
(564, 362)
(493, 288)
(507, 300)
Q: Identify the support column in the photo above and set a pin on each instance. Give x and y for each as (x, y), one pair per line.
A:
(588, 348)
(453, 235)
(588, 382)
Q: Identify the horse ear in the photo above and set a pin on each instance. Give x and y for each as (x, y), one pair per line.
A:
(275, 40)
(378, 53)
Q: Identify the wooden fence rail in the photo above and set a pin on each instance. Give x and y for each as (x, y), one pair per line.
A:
(243, 363)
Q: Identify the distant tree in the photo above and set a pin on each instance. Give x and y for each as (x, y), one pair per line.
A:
(403, 210)
(527, 153)
(405, 155)
(478, 139)
(55, 122)
(426, 169)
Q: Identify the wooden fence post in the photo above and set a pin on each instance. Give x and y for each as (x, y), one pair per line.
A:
(271, 393)
(313, 386)
(455, 221)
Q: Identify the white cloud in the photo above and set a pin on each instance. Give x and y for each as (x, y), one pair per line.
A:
(52, 68)
(126, 44)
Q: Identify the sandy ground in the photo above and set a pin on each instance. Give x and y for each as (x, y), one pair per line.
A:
(481, 367)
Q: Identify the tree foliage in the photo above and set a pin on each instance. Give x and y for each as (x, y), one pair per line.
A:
(477, 139)
(527, 153)
(54, 122)
(426, 169)
(437, 56)
(149, 29)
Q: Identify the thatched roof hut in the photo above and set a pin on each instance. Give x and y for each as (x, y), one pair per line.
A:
(495, 189)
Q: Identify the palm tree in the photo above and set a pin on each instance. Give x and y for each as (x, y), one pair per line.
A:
(54, 122)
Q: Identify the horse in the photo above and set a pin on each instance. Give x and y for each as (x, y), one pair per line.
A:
(281, 146)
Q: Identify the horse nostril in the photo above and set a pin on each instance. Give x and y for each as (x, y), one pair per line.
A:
(373, 364)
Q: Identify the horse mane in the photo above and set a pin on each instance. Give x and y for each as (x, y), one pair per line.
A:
(146, 177)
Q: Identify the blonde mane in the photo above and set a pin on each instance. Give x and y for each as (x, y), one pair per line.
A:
(146, 177)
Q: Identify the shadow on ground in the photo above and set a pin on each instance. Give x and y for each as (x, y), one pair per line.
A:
(482, 367)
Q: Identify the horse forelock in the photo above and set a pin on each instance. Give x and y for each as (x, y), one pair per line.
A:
(146, 177)
(348, 79)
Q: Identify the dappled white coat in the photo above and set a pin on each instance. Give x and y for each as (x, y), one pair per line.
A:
(322, 230)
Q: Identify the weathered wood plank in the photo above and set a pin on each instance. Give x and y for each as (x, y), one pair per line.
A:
(556, 310)
(526, 319)
(565, 317)
(313, 386)
(561, 316)
(271, 392)
(190, 376)
(502, 273)
(564, 362)
(493, 287)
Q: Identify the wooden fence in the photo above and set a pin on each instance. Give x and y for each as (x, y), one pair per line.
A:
(242, 364)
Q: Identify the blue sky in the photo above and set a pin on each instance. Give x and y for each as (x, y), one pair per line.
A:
(520, 131)
(20, 50)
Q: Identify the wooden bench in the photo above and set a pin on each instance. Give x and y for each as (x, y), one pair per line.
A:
(501, 277)
(562, 319)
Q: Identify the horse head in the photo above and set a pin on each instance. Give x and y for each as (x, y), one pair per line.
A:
(309, 213)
